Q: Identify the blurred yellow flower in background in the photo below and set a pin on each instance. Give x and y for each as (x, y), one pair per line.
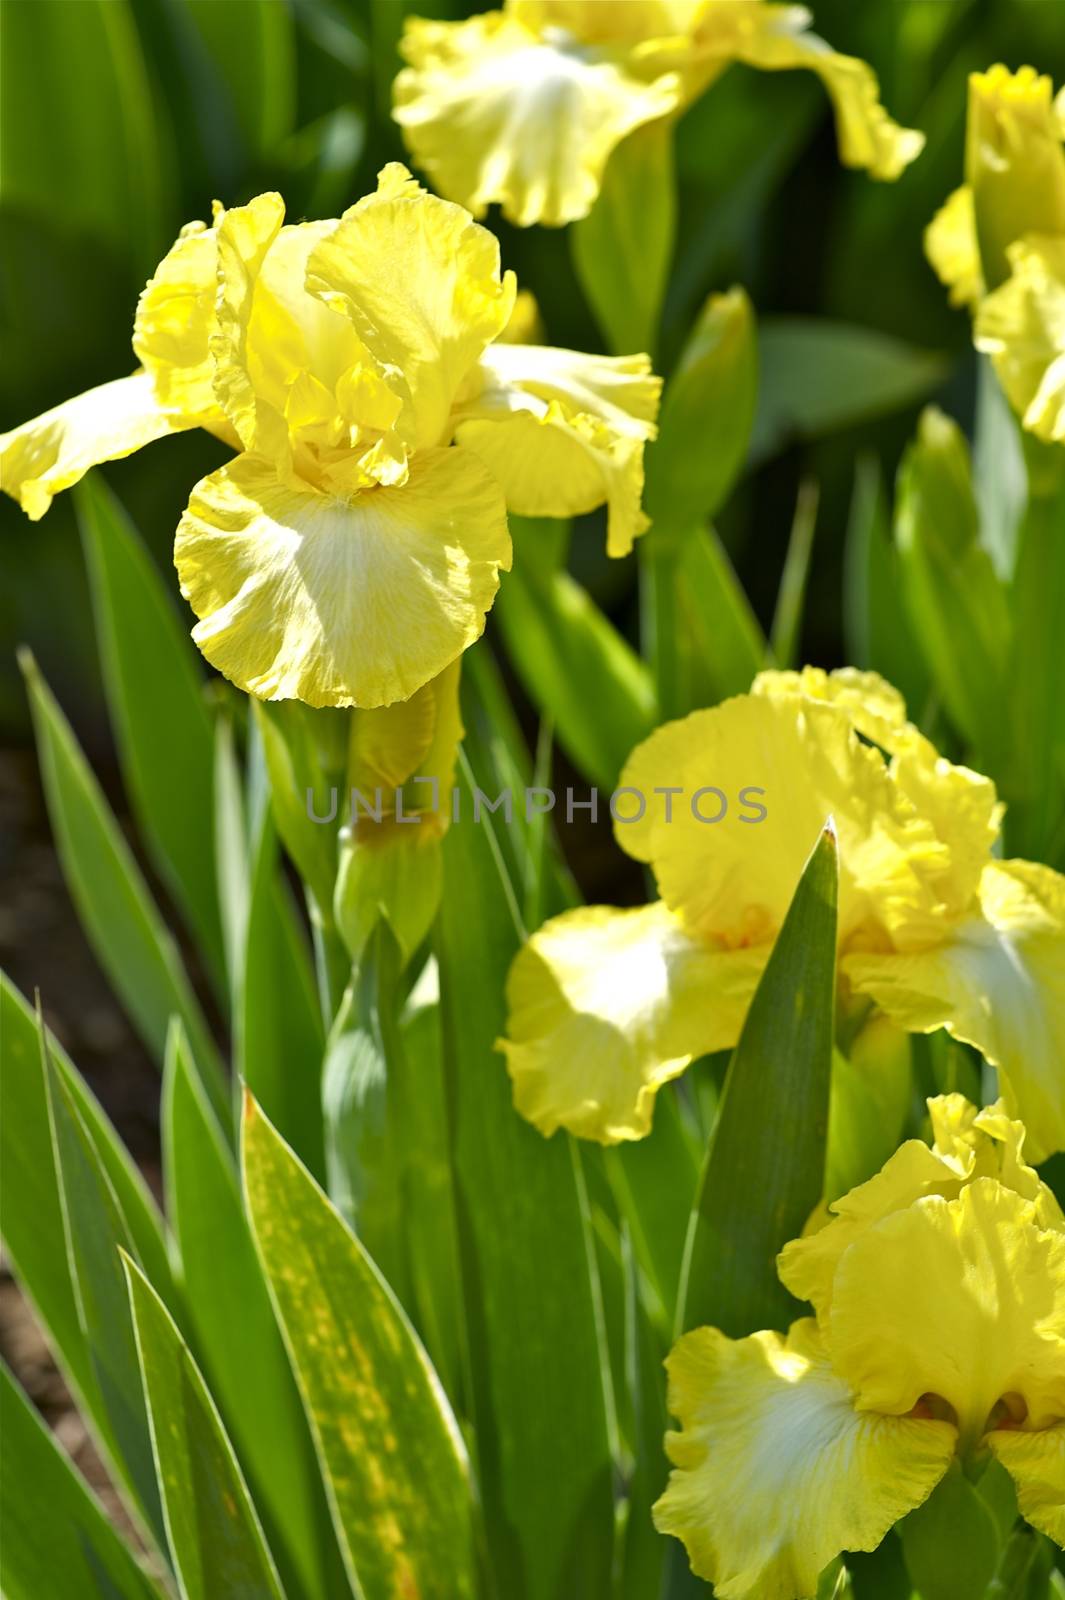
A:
(524, 106)
(351, 550)
(999, 241)
(606, 1005)
(938, 1291)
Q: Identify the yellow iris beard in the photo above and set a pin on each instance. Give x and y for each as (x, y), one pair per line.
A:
(607, 1005)
(524, 106)
(350, 552)
(939, 1296)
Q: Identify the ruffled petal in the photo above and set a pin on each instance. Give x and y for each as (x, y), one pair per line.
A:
(52, 452)
(1021, 326)
(605, 1006)
(244, 236)
(421, 284)
(775, 38)
(495, 111)
(807, 1267)
(776, 1471)
(353, 601)
(175, 321)
(1035, 1460)
(564, 432)
(996, 982)
(800, 759)
(961, 1299)
(875, 707)
(969, 1143)
(596, 23)
(1014, 163)
(951, 245)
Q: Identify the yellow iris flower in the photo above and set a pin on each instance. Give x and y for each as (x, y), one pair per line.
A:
(938, 1291)
(999, 241)
(525, 105)
(361, 368)
(606, 1005)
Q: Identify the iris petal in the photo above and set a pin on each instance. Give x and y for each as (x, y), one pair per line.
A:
(341, 601)
(776, 1470)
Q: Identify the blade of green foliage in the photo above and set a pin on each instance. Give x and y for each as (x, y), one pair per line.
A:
(817, 376)
(704, 433)
(215, 1535)
(253, 48)
(654, 1182)
(731, 157)
(956, 604)
(363, 1144)
(724, 643)
(1000, 479)
(706, 417)
(306, 752)
(155, 695)
(558, 641)
(765, 1165)
(538, 1373)
(280, 1041)
(323, 158)
(1033, 778)
(233, 1325)
(31, 1218)
(785, 633)
(432, 1242)
(499, 759)
(77, 120)
(231, 853)
(95, 1231)
(622, 249)
(876, 624)
(115, 908)
(646, 1552)
(950, 1543)
(57, 1541)
(388, 1444)
(389, 1156)
(871, 1094)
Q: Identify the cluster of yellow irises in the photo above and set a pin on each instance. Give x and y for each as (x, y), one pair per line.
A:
(374, 378)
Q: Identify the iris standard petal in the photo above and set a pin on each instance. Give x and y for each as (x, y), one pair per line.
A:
(1021, 326)
(49, 454)
(175, 321)
(961, 1299)
(776, 1472)
(494, 110)
(564, 432)
(807, 1266)
(245, 236)
(997, 981)
(969, 1143)
(420, 281)
(1014, 163)
(1035, 1460)
(353, 601)
(801, 761)
(605, 1006)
